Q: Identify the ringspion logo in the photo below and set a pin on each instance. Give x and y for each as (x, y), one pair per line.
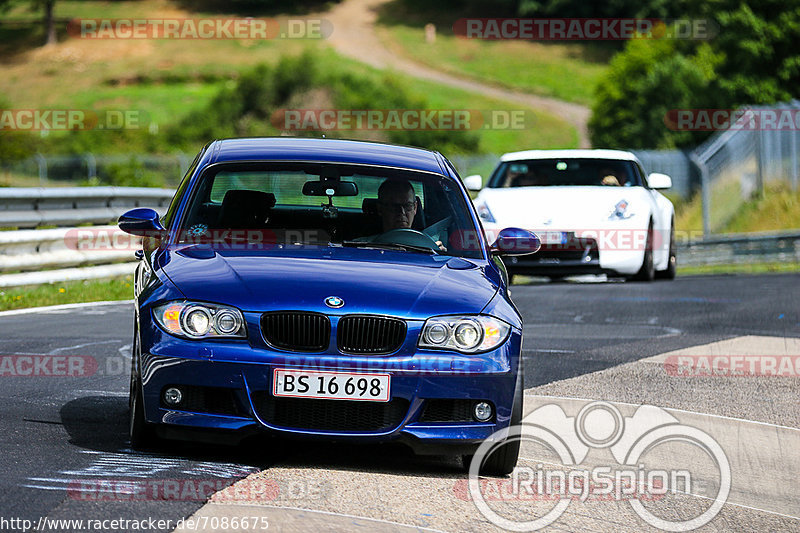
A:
(632, 442)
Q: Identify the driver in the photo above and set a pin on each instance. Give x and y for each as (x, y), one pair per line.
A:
(397, 204)
(397, 207)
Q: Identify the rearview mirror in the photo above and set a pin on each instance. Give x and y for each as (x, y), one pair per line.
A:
(516, 241)
(143, 222)
(474, 182)
(656, 180)
(330, 188)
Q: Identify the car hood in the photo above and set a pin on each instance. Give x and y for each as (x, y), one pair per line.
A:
(542, 208)
(402, 284)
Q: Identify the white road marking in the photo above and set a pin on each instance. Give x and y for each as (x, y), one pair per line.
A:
(50, 308)
(83, 345)
(710, 415)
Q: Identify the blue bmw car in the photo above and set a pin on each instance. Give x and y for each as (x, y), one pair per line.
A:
(327, 289)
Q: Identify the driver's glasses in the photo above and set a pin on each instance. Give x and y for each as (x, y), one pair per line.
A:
(405, 206)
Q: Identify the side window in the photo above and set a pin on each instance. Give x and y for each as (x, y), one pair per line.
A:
(642, 175)
(176, 200)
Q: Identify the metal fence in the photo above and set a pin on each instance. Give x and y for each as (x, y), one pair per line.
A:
(98, 169)
(737, 163)
(31, 207)
(677, 165)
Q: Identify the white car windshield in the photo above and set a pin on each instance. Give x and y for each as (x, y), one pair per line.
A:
(565, 172)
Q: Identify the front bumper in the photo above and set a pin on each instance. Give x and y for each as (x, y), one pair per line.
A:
(577, 255)
(233, 381)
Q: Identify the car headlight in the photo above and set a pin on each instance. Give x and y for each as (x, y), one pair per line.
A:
(484, 213)
(200, 320)
(467, 334)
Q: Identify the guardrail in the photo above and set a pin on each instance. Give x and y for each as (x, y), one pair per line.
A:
(25, 207)
(742, 249)
(35, 256)
(30, 253)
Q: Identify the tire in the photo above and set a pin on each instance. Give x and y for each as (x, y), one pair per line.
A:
(672, 262)
(503, 459)
(142, 434)
(648, 270)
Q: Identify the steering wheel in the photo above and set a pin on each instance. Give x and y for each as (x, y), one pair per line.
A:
(407, 236)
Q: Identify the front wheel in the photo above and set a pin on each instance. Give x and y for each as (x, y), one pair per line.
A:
(142, 433)
(503, 458)
(672, 262)
(648, 270)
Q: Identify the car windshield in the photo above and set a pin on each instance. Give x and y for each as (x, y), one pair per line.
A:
(565, 172)
(331, 205)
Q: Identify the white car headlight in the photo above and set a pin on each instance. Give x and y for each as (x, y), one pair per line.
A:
(484, 213)
(200, 320)
(466, 334)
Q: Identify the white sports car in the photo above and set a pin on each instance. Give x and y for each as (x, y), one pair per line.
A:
(595, 211)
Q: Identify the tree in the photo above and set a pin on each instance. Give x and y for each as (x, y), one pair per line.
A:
(752, 59)
(644, 82)
(48, 19)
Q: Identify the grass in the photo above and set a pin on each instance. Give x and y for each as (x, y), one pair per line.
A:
(66, 293)
(745, 268)
(173, 99)
(557, 70)
(777, 209)
(541, 130)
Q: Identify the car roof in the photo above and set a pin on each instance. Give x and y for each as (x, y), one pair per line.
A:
(324, 150)
(569, 154)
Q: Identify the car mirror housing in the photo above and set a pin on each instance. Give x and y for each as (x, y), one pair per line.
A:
(516, 241)
(474, 182)
(656, 180)
(143, 222)
(330, 188)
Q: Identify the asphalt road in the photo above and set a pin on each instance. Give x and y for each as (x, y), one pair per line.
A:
(63, 446)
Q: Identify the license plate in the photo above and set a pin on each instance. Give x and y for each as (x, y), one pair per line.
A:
(553, 237)
(331, 385)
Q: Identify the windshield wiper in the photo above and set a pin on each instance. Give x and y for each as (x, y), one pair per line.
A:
(389, 246)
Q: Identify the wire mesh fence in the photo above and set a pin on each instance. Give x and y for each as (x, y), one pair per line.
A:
(94, 169)
(739, 162)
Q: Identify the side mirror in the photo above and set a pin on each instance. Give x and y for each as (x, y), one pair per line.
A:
(516, 241)
(143, 222)
(473, 183)
(656, 180)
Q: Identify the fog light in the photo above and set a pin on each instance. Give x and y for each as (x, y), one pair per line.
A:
(173, 396)
(483, 411)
